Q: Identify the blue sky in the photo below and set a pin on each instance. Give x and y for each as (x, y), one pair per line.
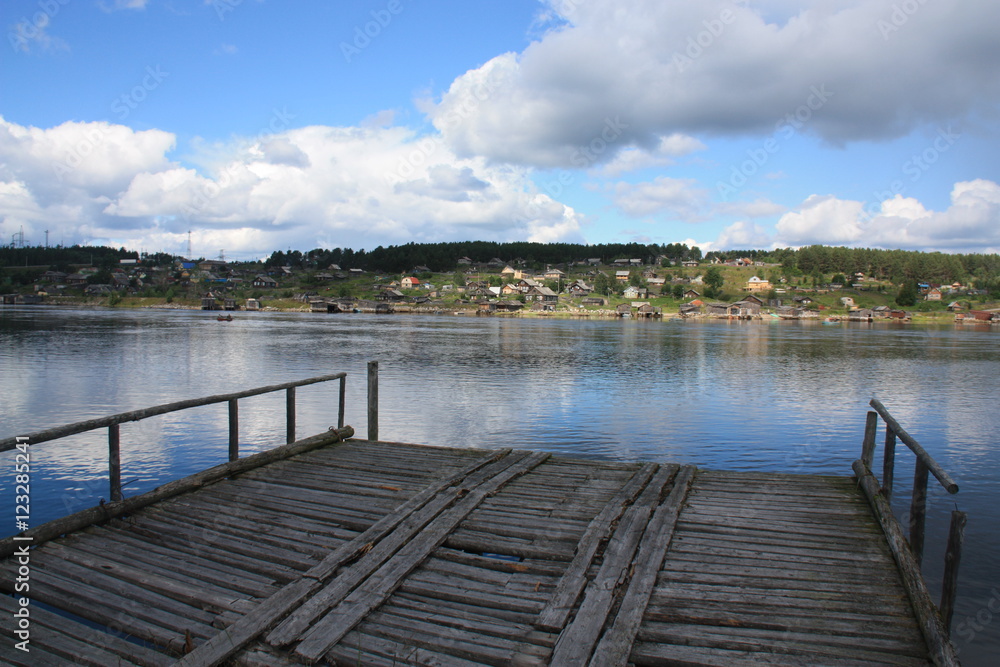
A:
(260, 125)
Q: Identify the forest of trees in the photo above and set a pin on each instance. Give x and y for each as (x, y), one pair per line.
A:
(898, 266)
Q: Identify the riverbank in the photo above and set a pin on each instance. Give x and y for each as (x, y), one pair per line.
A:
(471, 309)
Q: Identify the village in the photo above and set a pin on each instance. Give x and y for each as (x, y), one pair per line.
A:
(653, 287)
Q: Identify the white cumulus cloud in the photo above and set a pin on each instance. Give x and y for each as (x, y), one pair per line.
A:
(614, 75)
(305, 187)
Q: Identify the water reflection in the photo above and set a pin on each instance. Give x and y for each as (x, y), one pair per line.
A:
(735, 395)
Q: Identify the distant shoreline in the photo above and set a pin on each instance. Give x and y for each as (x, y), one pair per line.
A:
(148, 303)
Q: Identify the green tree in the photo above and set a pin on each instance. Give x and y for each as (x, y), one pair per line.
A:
(713, 278)
(907, 295)
(603, 283)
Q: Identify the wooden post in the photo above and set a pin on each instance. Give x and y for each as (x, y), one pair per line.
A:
(952, 559)
(888, 462)
(343, 394)
(290, 415)
(868, 447)
(115, 462)
(373, 400)
(234, 429)
(918, 510)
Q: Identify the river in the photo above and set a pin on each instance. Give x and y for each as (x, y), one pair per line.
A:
(781, 396)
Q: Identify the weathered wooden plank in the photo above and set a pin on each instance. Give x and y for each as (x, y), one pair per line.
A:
(750, 639)
(210, 548)
(655, 653)
(615, 645)
(781, 619)
(114, 509)
(220, 573)
(360, 648)
(264, 617)
(136, 619)
(456, 584)
(513, 610)
(190, 591)
(50, 629)
(553, 617)
(36, 657)
(332, 627)
(289, 630)
(577, 640)
(468, 620)
(699, 547)
(732, 591)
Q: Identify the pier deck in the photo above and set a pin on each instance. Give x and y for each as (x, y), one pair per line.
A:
(380, 553)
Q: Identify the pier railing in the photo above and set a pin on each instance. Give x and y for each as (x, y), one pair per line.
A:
(113, 422)
(909, 550)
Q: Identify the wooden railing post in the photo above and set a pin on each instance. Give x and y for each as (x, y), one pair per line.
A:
(290, 415)
(343, 398)
(373, 400)
(918, 510)
(115, 462)
(952, 558)
(888, 462)
(868, 446)
(234, 429)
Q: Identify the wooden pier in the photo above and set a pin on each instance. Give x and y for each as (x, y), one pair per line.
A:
(362, 552)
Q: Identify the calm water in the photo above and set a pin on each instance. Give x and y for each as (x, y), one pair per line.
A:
(751, 396)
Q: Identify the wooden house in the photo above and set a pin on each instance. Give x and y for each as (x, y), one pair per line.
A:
(210, 303)
(252, 304)
(265, 281)
(647, 310)
(543, 294)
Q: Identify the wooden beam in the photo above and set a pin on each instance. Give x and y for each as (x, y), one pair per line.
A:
(114, 462)
(930, 622)
(946, 481)
(144, 413)
(616, 644)
(952, 559)
(373, 400)
(291, 596)
(102, 513)
(329, 630)
(553, 617)
(577, 640)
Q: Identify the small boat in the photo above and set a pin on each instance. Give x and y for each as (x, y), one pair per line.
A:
(225, 318)
(831, 320)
